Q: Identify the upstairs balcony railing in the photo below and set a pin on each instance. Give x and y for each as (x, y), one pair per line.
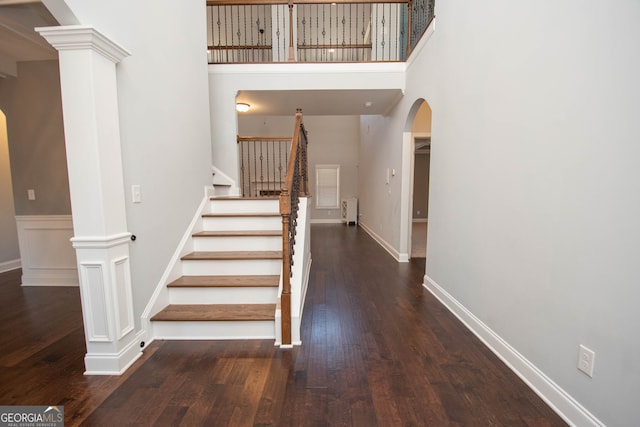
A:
(250, 31)
(263, 164)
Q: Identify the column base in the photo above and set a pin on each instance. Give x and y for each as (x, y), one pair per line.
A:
(113, 363)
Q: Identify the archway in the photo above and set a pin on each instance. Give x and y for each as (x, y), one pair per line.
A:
(416, 157)
(9, 250)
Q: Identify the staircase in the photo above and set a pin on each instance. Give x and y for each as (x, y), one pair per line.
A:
(229, 287)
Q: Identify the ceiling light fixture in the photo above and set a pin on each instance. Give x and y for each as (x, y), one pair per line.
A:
(242, 107)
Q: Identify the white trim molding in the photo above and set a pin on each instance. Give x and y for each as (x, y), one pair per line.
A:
(399, 256)
(13, 264)
(558, 399)
(83, 37)
(100, 242)
(326, 221)
(107, 303)
(109, 363)
(47, 257)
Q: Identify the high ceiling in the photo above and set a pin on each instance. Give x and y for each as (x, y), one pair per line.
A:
(18, 40)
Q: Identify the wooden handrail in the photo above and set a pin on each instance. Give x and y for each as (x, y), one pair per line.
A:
(334, 46)
(262, 138)
(240, 47)
(296, 185)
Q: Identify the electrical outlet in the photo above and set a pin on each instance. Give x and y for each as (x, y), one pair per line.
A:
(586, 359)
(31, 194)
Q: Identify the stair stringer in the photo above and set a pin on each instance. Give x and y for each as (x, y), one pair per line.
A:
(160, 297)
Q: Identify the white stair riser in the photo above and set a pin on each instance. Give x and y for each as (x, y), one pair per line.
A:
(243, 206)
(243, 295)
(223, 330)
(221, 189)
(231, 267)
(241, 224)
(237, 243)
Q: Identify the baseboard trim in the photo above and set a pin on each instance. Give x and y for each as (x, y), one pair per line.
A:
(558, 399)
(10, 265)
(70, 280)
(400, 257)
(116, 363)
(325, 221)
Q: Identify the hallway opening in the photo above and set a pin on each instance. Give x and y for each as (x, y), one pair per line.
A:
(417, 152)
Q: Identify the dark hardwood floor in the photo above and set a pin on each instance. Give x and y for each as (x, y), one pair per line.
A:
(378, 350)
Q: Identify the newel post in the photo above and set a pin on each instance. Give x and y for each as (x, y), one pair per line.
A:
(285, 298)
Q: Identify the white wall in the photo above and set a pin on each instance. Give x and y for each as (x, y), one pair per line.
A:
(535, 189)
(332, 140)
(164, 122)
(380, 150)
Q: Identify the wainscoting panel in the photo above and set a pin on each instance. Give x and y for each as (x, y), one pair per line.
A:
(123, 297)
(95, 298)
(48, 258)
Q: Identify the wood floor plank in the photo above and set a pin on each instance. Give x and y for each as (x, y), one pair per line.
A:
(377, 350)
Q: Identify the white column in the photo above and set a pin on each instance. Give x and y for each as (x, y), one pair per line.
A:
(90, 105)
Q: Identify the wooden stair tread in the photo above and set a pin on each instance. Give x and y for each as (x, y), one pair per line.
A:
(232, 255)
(216, 312)
(225, 281)
(241, 233)
(241, 215)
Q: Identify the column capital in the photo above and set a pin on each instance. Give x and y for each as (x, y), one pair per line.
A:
(83, 37)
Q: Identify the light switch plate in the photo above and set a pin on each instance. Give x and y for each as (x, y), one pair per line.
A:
(136, 197)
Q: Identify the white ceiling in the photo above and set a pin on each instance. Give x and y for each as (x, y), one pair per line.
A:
(18, 41)
(320, 102)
